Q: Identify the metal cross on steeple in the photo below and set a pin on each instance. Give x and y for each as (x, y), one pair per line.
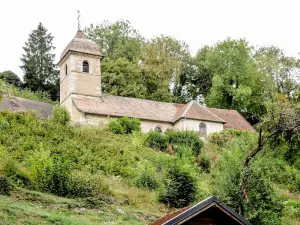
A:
(78, 19)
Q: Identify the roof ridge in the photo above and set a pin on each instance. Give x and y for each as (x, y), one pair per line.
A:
(211, 112)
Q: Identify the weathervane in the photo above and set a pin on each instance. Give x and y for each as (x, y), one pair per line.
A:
(78, 19)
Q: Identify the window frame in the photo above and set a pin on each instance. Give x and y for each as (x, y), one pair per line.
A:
(202, 129)
(85, 66)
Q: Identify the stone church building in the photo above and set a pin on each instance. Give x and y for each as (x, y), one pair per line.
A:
(80, 93)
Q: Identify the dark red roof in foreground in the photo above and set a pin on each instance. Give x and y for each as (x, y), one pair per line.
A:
(166, 218)
(211, 208)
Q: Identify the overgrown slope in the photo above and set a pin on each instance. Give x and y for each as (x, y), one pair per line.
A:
(82, 175)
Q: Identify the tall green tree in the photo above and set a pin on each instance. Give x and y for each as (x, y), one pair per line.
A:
(116, 39)
(236, 82)
(123, 78)
(199, 81)
(165, 62)
(11, 78)
(281, 71)
(40, 72)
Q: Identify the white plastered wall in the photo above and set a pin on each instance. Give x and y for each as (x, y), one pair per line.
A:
(189, 124)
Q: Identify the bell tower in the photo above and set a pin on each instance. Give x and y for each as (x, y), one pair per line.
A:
(80, 71)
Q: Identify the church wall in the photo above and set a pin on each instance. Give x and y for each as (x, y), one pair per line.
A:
(146, 125)
(190, 124)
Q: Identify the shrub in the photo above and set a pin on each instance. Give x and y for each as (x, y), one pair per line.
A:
(17, 174)
(57, 176)
(147, 179)
(81, 184)
(205, 163)
(185, 138)
(179, 188)
(124, 125)
(5, 186)
(60, 115)
(297, 183)
(157, 140)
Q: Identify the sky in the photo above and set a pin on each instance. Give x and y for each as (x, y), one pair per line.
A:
(197, 22)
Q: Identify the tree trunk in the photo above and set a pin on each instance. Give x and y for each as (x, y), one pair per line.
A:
(244, 193)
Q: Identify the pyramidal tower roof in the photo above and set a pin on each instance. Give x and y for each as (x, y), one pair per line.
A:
(80, 43)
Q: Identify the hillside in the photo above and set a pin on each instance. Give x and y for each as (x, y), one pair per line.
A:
(62, 174)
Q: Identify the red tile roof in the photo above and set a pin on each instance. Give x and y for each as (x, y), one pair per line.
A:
(158, 111)
(233, 118)
(171, 215)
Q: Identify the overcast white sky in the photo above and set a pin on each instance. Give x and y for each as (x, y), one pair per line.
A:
(197, 22)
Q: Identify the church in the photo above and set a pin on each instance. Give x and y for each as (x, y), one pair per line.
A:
(80, 93)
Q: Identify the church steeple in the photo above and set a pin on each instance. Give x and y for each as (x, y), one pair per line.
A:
(80, 71)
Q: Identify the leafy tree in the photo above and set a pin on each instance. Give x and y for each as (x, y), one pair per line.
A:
(165, 62)
(123, 78)
(11, 78)
(60, 115)
(236, 83)
(40, 72)
(282, 119)
(281, 71)
(200, 81)
(116, 40)
(179, 187)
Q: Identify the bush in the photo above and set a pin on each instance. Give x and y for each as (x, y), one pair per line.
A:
(186, 138)
(157, 140)
(17, 174)
(60, 115)
(5, 186)
(81, 184)
(205, 163)
(124, 125)
(179, 188)
(147, 179)
(57, 176)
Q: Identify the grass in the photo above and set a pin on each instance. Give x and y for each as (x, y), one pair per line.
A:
(30, 207)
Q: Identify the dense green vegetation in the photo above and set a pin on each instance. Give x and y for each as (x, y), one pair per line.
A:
(102, 176)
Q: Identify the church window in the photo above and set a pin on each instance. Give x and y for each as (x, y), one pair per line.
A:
(202, 130)
(158, 129)
(85, 67)
(66, 69)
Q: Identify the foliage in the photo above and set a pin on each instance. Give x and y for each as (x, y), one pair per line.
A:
(157, 140)
(264, 205)
(123, 78)
(60, 115)
(147, 178)
(40, 73)
(5, 186)
(281, 71)
(11, 78)
(236, 83)
(165, 61)
(116, 39)
(124, 125)
(179, 187)
(187, 138)
(205, 163)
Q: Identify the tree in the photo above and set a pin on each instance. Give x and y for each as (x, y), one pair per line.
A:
(165, 62)
(200, 81)
(11, 78)
(116, 40)
(123, 78)
(40, 72)
(282, 119)
(236, 83)
(282, 70)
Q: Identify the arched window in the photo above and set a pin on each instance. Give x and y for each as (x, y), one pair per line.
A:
(66, 68)
(202, 130)
(158, 129)
(85, 66)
